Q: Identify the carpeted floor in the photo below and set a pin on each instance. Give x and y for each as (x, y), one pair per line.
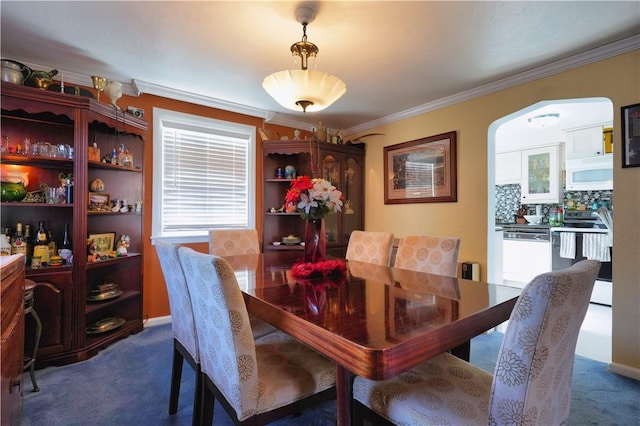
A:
(128, 384)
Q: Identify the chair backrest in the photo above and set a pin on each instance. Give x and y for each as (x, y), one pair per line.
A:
(182, 323)
(532, 378)
(370, 247)
(230, 242)
(435, 255)
(227, 349)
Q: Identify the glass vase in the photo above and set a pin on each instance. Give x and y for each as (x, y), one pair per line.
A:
(315, 241)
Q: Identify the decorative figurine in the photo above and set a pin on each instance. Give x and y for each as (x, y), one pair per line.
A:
(92, 251)
(296, 135)
(290, 172)
(138, 206)
(123, 245)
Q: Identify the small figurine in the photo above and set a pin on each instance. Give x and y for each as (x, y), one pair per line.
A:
(125, 206)
(116, 206)
(123, 244)
(296, 134)
(92, 251)
(138, 206)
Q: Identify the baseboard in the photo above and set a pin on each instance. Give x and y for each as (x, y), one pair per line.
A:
(157, 321)
(624, 370)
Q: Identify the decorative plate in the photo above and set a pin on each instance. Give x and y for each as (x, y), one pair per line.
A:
(105, 295)
(105, 324)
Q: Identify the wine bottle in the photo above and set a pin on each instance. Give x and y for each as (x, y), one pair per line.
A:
(28, 239)
(41, 245)
(66, 250)
(18, 244)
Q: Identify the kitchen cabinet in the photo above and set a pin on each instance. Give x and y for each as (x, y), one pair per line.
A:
(64, 295)
(542, 175)
(588, 141)
(342, 165)
(508, 168)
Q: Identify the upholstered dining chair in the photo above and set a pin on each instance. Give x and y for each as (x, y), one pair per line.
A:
(531, 383)
(185, 345)
(371, 247)
(255, 380)
(435, 255)
(232, 242)
(229, 242)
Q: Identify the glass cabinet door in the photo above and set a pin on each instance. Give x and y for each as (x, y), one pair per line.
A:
(352, 192)
(331, 173)
(541, 170)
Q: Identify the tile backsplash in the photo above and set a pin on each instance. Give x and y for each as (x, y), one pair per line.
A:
(508, 202)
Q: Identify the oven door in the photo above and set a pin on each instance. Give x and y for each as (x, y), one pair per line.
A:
(558, 262)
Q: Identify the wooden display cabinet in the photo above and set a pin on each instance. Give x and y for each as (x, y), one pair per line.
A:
(342, 165)
(61, 292)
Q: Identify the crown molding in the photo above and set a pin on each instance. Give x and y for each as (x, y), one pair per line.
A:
(138, 87)
(571, 62)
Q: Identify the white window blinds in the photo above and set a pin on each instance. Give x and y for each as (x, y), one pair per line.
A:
(204, 177)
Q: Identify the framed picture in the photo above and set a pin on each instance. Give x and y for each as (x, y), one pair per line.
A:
(103, 243)
(98, 201)
(421, 171)
(631, 136)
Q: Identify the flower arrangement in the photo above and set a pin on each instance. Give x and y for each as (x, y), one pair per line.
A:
(313, 198)
(326, 269)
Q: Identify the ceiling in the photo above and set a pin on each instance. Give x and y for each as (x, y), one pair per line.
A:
(395, 57)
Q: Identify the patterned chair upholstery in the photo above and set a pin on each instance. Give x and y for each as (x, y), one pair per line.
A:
(370, 247)
(531, 384)
(229, 242)
(185, 344)
(256, 380)
(435, 255)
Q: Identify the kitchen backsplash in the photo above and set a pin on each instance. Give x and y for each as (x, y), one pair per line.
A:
(508, 202)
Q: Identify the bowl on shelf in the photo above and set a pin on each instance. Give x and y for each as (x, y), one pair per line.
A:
(533, 219)
(291, 240)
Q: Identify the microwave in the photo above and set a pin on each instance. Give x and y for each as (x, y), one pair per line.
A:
(590, 173)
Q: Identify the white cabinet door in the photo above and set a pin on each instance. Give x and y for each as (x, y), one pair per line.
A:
(585, 142)
(508, 168)
(541, 175)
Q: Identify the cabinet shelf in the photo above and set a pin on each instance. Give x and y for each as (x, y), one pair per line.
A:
(47, 269)
(39, 161)
(101, 213)
(109, 166)
(104, 263)
(93, 306)
(39, 205)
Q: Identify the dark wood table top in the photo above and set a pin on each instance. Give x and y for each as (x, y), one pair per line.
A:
(375, 322)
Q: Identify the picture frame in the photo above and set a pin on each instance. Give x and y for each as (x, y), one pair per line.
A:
(630, 135)
(421, 171)
(104, 242)
(99, 201)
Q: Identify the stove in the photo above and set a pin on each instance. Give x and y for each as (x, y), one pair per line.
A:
(582, 219)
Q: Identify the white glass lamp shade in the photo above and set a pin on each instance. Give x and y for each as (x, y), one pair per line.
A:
(291, 86)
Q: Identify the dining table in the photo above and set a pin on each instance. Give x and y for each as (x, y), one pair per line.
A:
(370, 320)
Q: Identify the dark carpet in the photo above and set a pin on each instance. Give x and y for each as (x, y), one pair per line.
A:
(128, 384)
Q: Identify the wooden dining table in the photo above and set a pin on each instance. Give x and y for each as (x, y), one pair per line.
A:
(372, 321)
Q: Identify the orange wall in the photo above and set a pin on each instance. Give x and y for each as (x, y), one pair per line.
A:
(156, 303)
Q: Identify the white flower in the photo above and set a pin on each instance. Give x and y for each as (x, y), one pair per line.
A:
(306, 203)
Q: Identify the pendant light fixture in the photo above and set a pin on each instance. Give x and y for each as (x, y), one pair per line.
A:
(304, 89)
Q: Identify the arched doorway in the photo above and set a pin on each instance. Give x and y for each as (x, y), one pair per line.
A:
(513, 134)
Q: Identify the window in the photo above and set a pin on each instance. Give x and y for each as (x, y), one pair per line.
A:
(203, 176)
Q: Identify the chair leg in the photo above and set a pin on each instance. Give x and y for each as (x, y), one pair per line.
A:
(176, 377)
(197, 397)
(208, 402)
(35, 350)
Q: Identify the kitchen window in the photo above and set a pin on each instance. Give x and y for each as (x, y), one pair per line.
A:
(203, 176)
